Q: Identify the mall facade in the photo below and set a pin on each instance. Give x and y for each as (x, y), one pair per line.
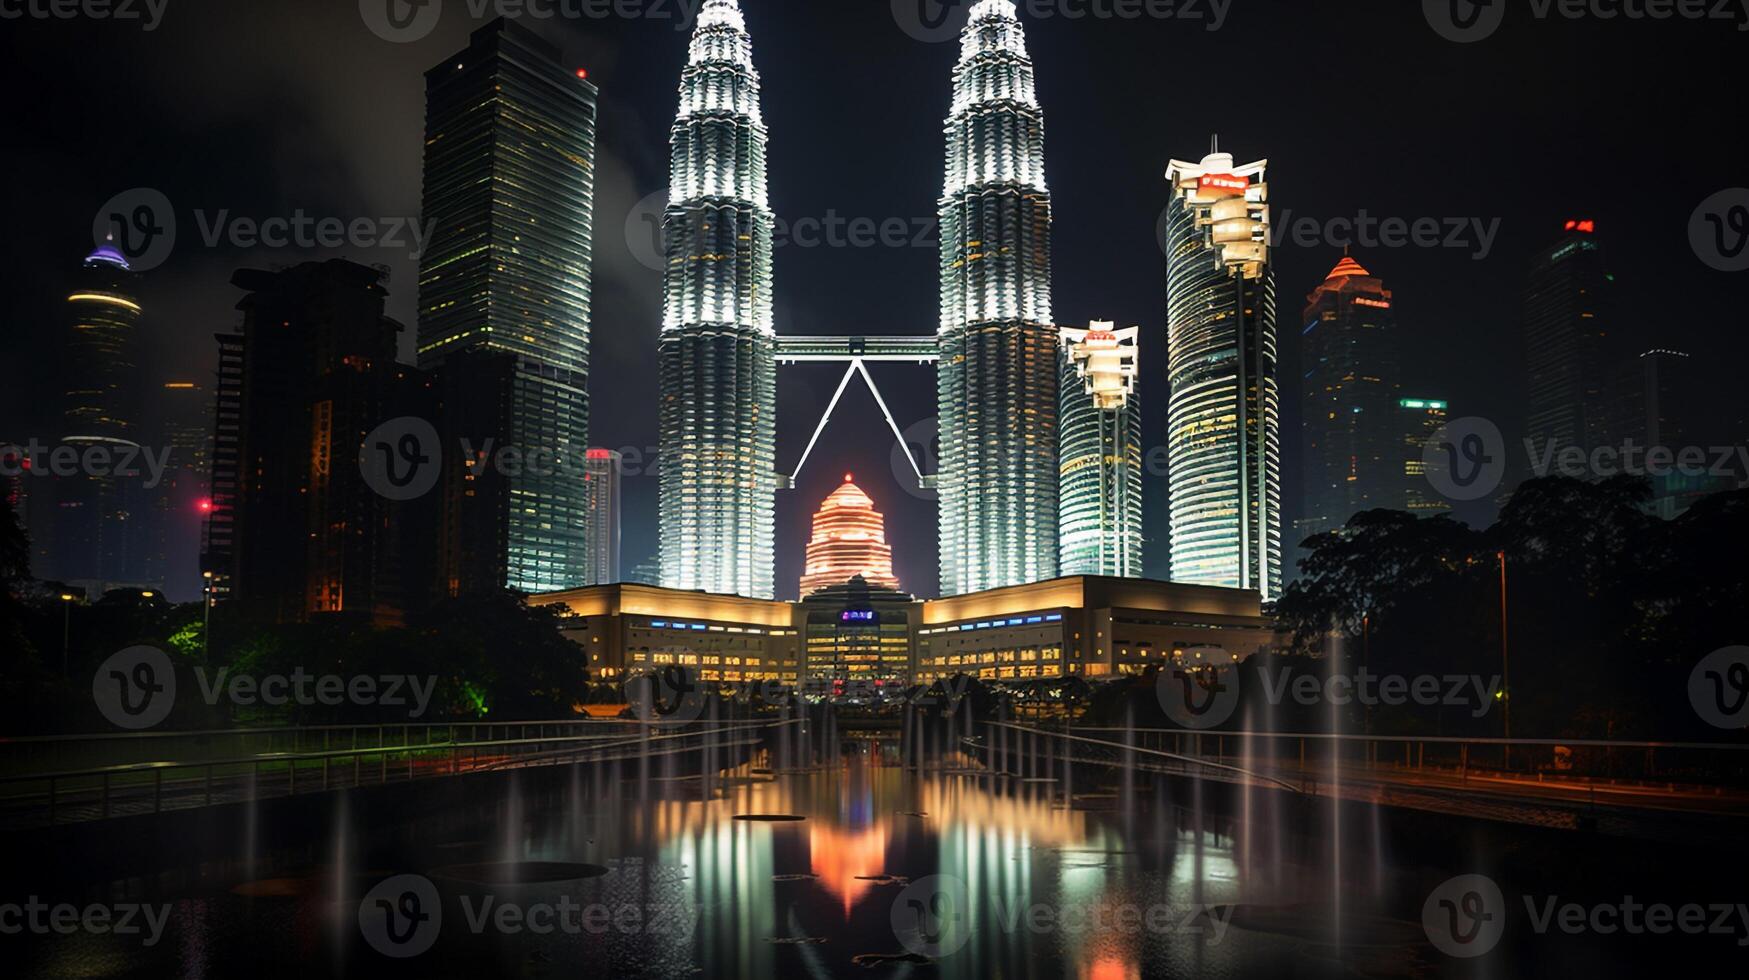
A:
(1090, 626)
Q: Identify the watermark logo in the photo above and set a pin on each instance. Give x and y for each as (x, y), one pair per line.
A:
(1719, 230)
(932, 916)
(138, 223)
(401, 458)
(643, 230)
(1632, 459)
(1373, 232)
(1466, 458)
(135, 688)
(1197, 697)
(400, 21)
(1465, 916)
(402, 916)
(667, 694)
(101, 461)
(1464, 21)
(1718, 688)
(923, 439)
(935, 21)
(39, 918)
(149, 13)
(931, 21)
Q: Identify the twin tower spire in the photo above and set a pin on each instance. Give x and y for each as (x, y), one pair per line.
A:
(997, 375)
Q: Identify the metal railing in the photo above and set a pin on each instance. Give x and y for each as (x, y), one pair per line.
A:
(48, 798)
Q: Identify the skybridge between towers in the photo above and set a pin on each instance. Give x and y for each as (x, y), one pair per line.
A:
(854, 353)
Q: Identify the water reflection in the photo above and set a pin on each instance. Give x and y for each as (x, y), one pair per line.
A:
(1054, 885)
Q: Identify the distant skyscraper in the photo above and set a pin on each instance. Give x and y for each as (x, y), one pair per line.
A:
(180, 412)
(601, 471)
(310, 536)
(850, 539)
(509, 196)
(1417, 421)
(1352, 438)
(97, 538)
(718, 414)
(1659, 401)
(218, 537)
(1569, 352)
(1223, 421)
(1100, 491)
(997, 377)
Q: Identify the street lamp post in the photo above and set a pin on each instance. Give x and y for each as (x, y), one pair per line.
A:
(66, 630)
(206, 620)
(1505, 662)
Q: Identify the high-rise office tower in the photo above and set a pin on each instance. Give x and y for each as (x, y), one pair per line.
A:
(1100, 490)
(997, 378)
(849, 539)
(509, 196)
(1570, 355)
(1660, 401)
(1351, 439)
(310, 536)
(218, 536)
(718, 412)
(1417, 421)
(180, 414)
(97, 541)
(1223, 420)
(601, 472)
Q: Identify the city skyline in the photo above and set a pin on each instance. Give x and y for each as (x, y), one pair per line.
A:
(863, 453)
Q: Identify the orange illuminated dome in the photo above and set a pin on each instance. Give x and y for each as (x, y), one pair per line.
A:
(850, 539)
(1347, 267)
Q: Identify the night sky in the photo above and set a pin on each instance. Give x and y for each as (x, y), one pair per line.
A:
(266, 107)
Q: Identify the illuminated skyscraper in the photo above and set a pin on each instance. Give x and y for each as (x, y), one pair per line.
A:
(718, 413)
(1223, 421)
(1570, 356)
(1351, 436)
(850, 539)
(1100, 503)
(601, 471)
(97, 542)
(997, 377)
(1418, 420)
(509, 196)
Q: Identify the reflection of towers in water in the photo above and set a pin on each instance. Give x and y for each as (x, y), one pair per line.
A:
(718, 373)
(1223, 428)
(96, 543)
(997, 376)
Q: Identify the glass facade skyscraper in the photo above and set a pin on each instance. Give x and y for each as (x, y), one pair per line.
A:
(997, 376)
(1100, 505)
(509, 196)
(718, 412)
(97, 522)
(1570, 357)
(1351, 437)
(1223, 420)
(602, 474)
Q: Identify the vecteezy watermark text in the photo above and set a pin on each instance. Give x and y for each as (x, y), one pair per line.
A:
(38, 917)
(406, 21)
(934, 21)
(100, 460)
(1369, 231)
(1467, 916)
(1202, 697)
(1467, 21)
(148, 13)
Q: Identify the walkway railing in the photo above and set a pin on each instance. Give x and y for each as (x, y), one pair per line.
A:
(99, 793)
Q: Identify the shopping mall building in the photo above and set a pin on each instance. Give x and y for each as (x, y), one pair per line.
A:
(859, 633)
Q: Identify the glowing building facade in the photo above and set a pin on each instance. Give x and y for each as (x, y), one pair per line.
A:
(96, 539)
(1223, 423)
(504, 285)
(718, 370)
(1100, 489)
(1352, 439)
(997, 375)
(850, 539)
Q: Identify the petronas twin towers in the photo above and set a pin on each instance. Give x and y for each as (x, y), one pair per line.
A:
(998, 346)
